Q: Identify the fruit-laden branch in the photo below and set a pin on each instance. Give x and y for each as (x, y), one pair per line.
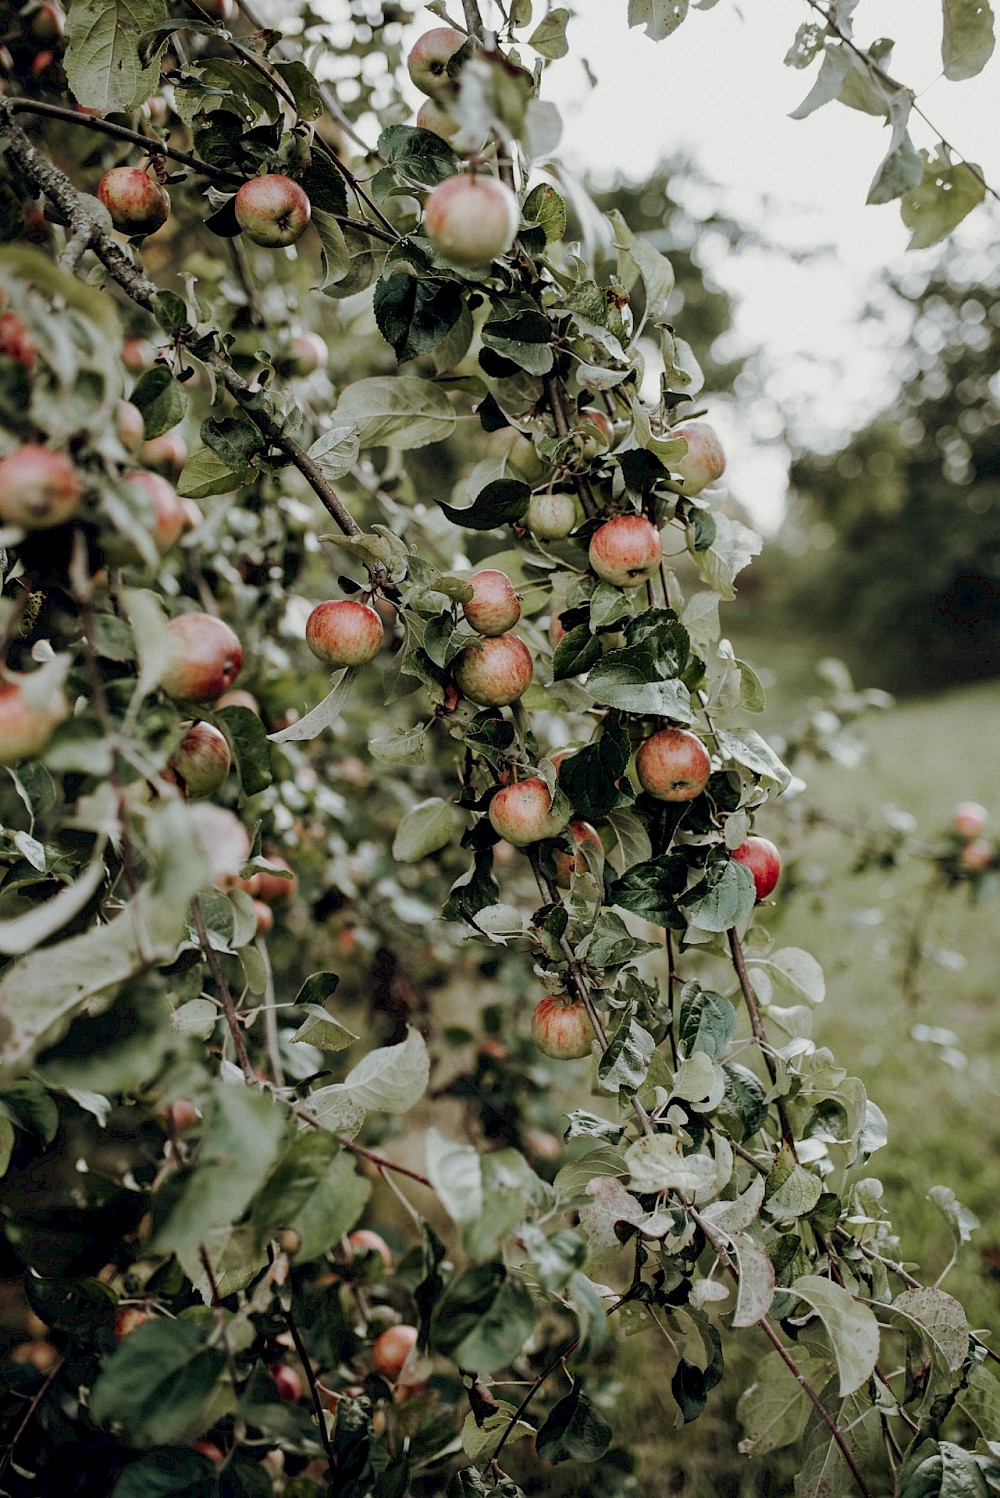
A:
(57, 187)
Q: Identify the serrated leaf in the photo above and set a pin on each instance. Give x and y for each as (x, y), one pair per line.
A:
(102, 53)
(336, 451)
(319, 1028)
(160, 398)
(206, 473)
(851, 1327)
(400, 412)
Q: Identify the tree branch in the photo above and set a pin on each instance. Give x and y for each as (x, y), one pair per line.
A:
(759, 1035)
(225, 996)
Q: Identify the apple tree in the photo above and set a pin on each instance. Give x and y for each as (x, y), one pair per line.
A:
(363, 552)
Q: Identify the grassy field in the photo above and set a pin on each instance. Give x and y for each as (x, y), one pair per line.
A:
(940, 1100)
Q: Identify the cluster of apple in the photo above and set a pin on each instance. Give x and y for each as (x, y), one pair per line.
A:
(975, 853)
(272, 209)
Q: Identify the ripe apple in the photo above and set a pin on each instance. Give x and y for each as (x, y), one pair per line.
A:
(366, 1241)
(568, 864)
(764, 862)
(704, 461)
(551, 517)
(305, 354)
(239, 698)
(272, 888)
(138, 205)
(168, 451)
(626, 550)
(494, 606)
(969, 819)
(129, 425)
(391, 1350)
(137, 354)
(38, 488)
(273, 210)
(471, 220)
(223, 840)
(561, 1028)
(205, 657)
(557, 630)
(287, 1382)
(208, 1448)
(673, 765)
(157, 110)
(428, 61)
(181, 1115)
(344, 632)
(431, 116)
(16, 342)
(47, 23)
(523, 813)
(522, 456)
(168, 509)
(201, 760)
(25, 724)
(128, 1318)
(977, 854)
(494, 671)
(265, 918)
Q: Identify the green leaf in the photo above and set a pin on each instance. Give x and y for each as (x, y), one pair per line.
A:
(747, 748)
(851, 1327)
(315, 1191)
(399, 748)
(727, 903)
(661, 18)
(775, 1408)
(901, 169)
(173, 1472)
(544, 207)
(733, 548)
(415, 312)
(932, 1469)
(326, 187)
(302, 86)
(319, 718)
(414, 157)
(102, 53)
(707, 1022)
(456, 1175)
(499, 1330)
(623, 1067)
(574, 1429)
(158, 1385)
(400, 411)
(968, 41)
(390, 1079)
(629, 680)
(321, 1029)
(335, 256)
(248, 740)
(549, 36)
(651, 889)
(205, 473)
(980, 1402)
(160, 398)
(500, 503)
(936, 1322)
(426, 828)
(791, 1191)
(946, 194)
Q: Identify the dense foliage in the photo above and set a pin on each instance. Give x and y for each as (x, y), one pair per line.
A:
(517, 858)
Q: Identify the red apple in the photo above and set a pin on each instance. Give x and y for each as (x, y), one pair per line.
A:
(129, 425)
(273, 210)
(551, 517)
(344, 632)
(523, 813)
(138, 205)
(25, 724)
(223, 840)
(471, 220)
(704, 461)
(168, 451)
(39, 1353)
(561, 1028)
(209, 1449)
(305, 354)
(181, 1115)
(128, 1318)
(969, 819)
(38, 488)
(168, 508)
(205, 657)
(391, 1350)
(201, 760)
(557, 630)
(431, 116)
(764, 862)
(494, 671)
(272, 888)
(287, 1382)
(428, 61)
(265, 918)
(568, 864)
(366, 1241)
(626, 550)
(137, 354)
(494, 606)
(977, 854)
(673, 765)
(16, 342)
(596, 429)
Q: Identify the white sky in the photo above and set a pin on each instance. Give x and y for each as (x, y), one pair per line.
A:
(719, 89)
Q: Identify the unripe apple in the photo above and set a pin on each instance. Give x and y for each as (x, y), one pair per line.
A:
(673, 765)
(205, 657)
(201, 760)
(562, 1029)
(344, 632)
(305, 354)
(523, 813)
(969, 819)
(16, 342)
(428, 61)
(265, 918)
(494, 606)
(287, 1382)
(26, 725)
(494, 671)
(704, 461)
(391, 1350)
(471, 220)
(626, 550)
(130, 426)
(168, 451)
(138, 205)
(209, 1449)
(551, 517)
(47, 23)
(764, 862)
(168, 509)
(521, 454)
(38, 488)
(977, 854)
(137, 354)
(128, 1319)
(223, 840)
(431, 116)
(568, 864)
(273, 210)
(366, 1241)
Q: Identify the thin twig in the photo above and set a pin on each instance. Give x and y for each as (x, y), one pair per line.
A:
(554, 396)
(306, 1361)
(757, 1025)
(8, 1452)
(224, 994)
